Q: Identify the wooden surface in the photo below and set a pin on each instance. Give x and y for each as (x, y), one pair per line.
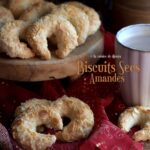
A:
(131, 12)
(40, 70)
(140, 4)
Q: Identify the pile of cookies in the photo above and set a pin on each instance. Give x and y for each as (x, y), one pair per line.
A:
(27, 26)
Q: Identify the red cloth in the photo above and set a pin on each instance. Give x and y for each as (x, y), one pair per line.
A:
(103, 98)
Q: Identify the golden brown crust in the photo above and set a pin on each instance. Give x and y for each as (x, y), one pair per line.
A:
(36, 112)
(11, 44)
(68, 26)
(19, 6)
(29, 104)
(77, 17)
(138, 115)
(81, 116)
(37, 11)
(25, 125)
(5, 16)
(47, 26)
(93, 16)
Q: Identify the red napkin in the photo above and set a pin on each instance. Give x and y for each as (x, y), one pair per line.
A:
(103, 98)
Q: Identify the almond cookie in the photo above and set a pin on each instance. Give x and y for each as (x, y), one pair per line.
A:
(81, 118)
(93, 16)
(78, 19)
(11, 35)
(138, 115)
(37, 11)
(5, 16)
(19, 6)
(24, 127)
(64, 32)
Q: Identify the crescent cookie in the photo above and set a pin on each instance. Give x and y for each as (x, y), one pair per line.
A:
(92, 15)
(25, 125)
(10, 36)
(37, 11)
(46, 27)
(19, 6)
(81, 116)
(77, 17)
(138, 115)
(5, 16)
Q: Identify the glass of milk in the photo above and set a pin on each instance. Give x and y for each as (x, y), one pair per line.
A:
(133, 45)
